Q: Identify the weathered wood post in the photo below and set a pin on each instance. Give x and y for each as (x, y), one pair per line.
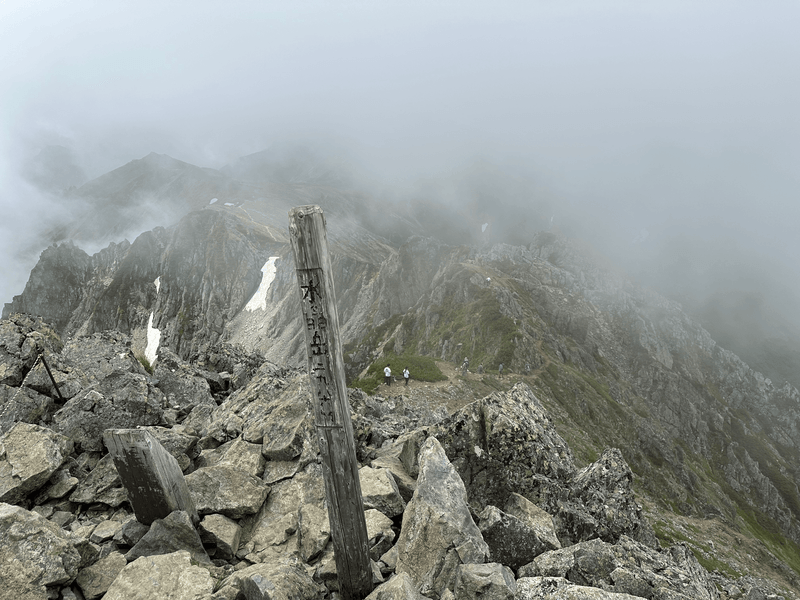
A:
(331, 406)
(154, 481)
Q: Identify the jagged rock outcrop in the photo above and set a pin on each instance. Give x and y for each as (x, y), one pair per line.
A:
(196, 297)
(627, 567)
(22, 339)
(600, 502)
(505, 443)
(438, 532)
(57, 284)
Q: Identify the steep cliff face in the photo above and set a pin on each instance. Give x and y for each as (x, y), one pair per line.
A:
(213, 276)
(187, 282)
(62, 280)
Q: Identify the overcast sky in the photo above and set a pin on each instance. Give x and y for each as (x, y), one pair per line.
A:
(647, 116)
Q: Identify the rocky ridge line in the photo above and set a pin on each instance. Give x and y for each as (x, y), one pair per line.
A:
(243, 436)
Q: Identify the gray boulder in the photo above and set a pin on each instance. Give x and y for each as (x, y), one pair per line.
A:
(119, 401)
(269, 410)
(557, 588)
(95, 580)
(537, 519)
(278, 470)
(512, 541)
(272, 534)
(164, 577)
(244, 456)
(23, 405)
(105, 530)
(438, 532)
(490, 581)
(34, 553)
(12, 337)
(29, 455)
(389, 458)
(130, 532)
(315, 531)
(170, 534)
(225, 490)
(270, 581)
(379, 491)
(59, 485)
(183, 385)
(101, 485)
(100, 355)
(399, 587)
(11, 368)
(380, 534)
(221, 534)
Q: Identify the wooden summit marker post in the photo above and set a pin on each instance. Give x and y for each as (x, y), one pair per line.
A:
(331, 406)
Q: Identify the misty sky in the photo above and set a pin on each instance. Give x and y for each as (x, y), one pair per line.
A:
(659, 117)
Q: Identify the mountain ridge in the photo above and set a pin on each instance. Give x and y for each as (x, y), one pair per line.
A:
(615, 365)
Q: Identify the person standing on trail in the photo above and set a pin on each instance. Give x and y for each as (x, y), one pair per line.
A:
(464, 367)
(387, 375)
(406, 375)
(500, 369)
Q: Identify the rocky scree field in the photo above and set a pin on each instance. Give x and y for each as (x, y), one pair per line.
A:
(487, 501)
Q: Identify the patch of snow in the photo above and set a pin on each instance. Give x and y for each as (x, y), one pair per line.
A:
(213, 200)
(259, 299)
(229, 204)
(153, 339)
(157, 283)
(483, 227)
